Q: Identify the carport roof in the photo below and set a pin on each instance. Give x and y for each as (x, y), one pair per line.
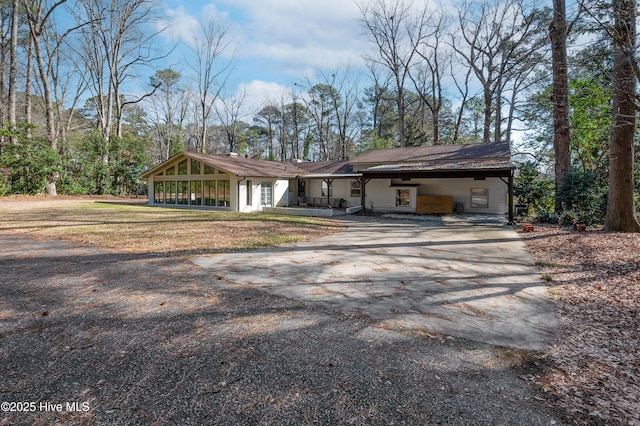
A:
(443, 153)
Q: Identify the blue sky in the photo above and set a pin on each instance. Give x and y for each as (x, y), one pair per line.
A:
(278, 42)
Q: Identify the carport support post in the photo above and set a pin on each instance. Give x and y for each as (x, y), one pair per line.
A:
(328, 182)
(510, 198)
(363, 195)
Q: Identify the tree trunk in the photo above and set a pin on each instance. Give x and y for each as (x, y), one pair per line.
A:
(486, 132)
(621, 213)
(13, 71)
(27, 88)
(561, 133)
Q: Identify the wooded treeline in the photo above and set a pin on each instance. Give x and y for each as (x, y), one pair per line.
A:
(480, 72)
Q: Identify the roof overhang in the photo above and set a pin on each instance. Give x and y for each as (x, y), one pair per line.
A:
(441, 170)
(331, 176)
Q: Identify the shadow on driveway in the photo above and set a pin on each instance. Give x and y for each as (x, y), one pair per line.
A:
(473, 281)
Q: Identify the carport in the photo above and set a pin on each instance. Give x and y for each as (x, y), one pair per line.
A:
(478, 170)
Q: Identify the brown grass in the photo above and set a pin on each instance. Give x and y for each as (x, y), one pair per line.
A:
(138, 228)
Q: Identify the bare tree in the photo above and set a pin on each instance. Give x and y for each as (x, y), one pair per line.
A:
(211, 71)
(46, 54)
(168, 107)
(229, 113)
(344, 103)
(397, 29)
(621, 213)
(13, 69)
(497, 43)
(115, 42)
(269, 118)
(428, 81)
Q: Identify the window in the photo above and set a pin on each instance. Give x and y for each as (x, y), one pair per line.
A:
(266, 194)
(171, 192)
(158, 198)
(249, 193)
(171, 171)
(183, 192)
(209, 170)
(224, 193)
(195, 167)
(479, 198)
(209, 192)
(182, 167)
(196, 193)
(355, 188)
(403, 197)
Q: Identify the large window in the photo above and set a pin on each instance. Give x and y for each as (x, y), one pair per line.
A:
(182, 167)
(195, 167)
(171, 192)
(224, 193)
(403, 197)
(183, 192)
(195, 190)
(209, 192)
(209, 170)
(479, 198)
(266, 194)
(158, 198)
(355, 188)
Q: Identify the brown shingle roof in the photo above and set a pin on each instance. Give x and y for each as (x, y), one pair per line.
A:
(241, 166)
(460, 165)
(327, 167)
(442, 157)
(435, 153)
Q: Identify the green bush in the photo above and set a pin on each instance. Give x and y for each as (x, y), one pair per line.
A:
(534, 190)
(31, 162)
(583, 197)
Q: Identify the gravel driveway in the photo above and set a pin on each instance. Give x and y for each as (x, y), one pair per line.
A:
(93, 336)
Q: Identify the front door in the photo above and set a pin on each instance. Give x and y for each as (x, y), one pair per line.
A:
(266, 194)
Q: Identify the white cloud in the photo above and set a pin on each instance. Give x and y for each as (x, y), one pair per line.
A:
(179, 25)
(258, 93)
(298, 34)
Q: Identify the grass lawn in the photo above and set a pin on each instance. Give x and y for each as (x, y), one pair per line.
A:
(137, 228)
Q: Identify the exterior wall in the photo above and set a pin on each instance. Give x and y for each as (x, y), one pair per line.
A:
(340, 188)
(280, 193)
(460, 190)
(382, 196)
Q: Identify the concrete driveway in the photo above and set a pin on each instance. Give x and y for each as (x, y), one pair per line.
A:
(464, 276)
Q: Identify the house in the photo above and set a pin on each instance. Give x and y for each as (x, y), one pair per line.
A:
(475, 178)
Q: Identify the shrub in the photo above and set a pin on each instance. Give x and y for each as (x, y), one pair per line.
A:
(534, 189)
(583, 196)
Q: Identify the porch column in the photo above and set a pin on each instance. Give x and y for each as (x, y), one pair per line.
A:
(510, 184)
(363, 195)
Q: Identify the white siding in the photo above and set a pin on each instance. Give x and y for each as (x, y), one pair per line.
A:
(460, 190)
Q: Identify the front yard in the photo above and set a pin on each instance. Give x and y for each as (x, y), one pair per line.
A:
(137, 228)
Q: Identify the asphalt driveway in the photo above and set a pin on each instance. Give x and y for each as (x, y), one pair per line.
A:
(464, 276)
